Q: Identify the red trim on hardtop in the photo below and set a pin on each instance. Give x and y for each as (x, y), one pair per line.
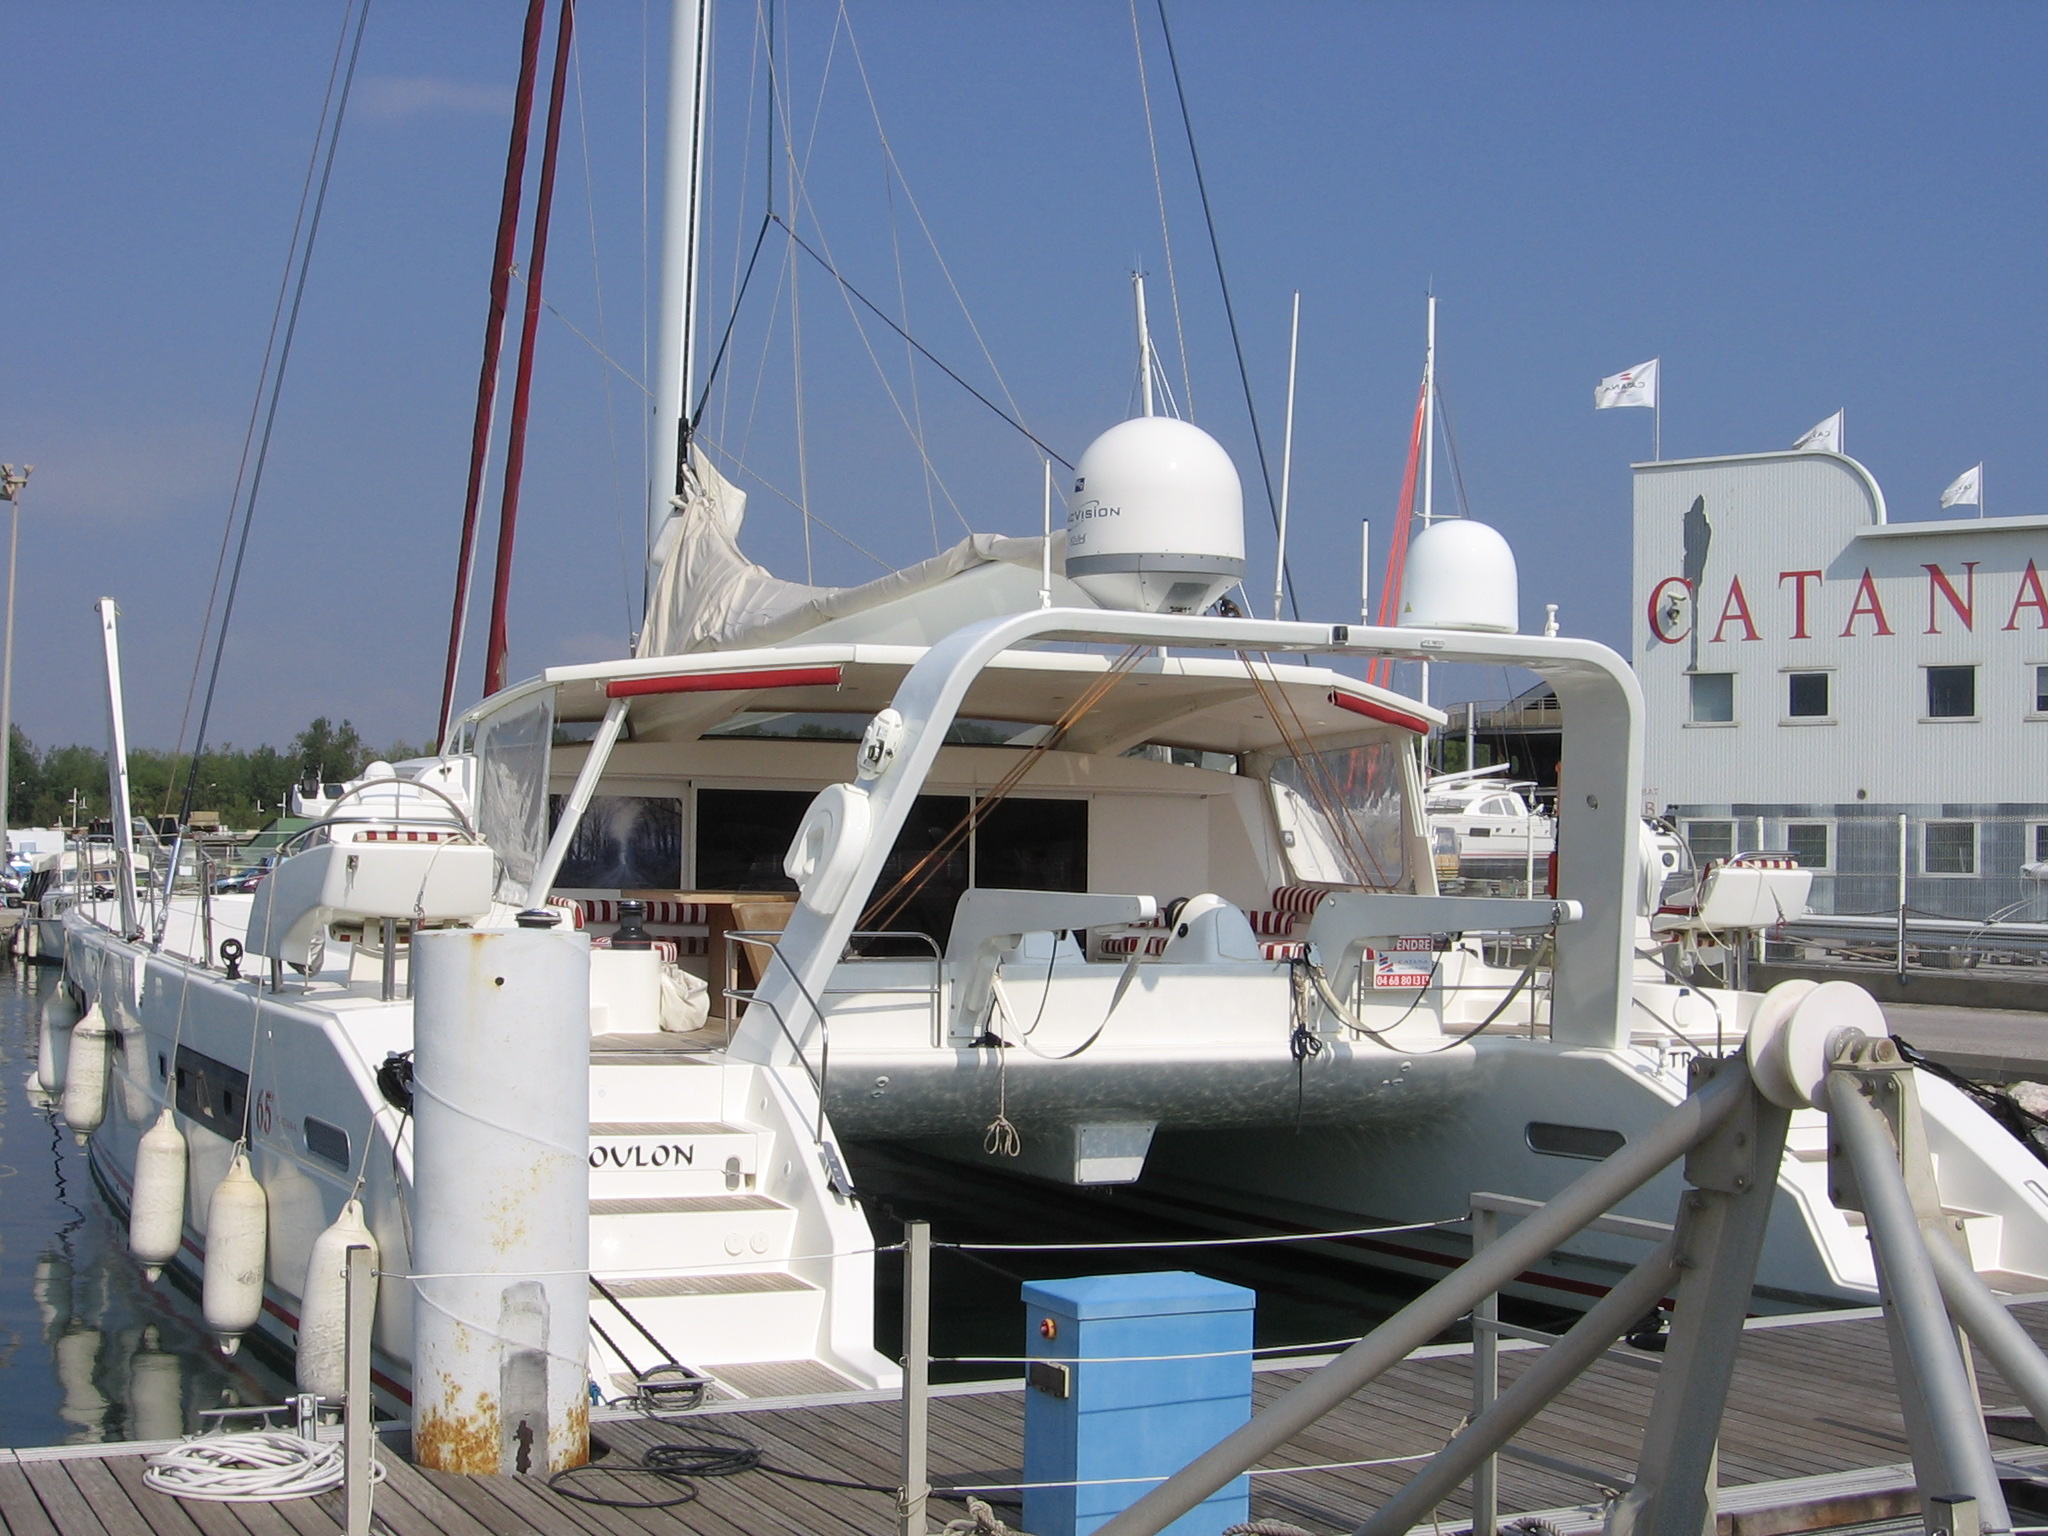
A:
(1372, 709)
(724, 682)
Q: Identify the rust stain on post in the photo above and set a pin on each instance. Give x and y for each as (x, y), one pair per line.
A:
(464, 1443)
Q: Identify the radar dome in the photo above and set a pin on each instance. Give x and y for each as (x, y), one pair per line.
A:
(1460, 575)
(1156, 520)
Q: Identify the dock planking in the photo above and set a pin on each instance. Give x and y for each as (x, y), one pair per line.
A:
(1808, 1400)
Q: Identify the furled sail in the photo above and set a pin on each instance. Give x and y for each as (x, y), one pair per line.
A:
(709, 596)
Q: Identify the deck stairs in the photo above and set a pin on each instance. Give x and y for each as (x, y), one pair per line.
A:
(695, 1214)
(1806, 1149)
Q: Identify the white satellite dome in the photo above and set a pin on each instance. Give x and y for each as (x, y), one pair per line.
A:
(1460, 575)
(1156, 520)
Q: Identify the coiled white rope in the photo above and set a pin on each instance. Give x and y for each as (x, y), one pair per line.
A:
(249, 1469)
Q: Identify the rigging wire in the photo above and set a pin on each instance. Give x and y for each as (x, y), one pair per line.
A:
(1223, 283)
(1443, 411)
(362, 17)
(931, 241)
(1165, 231)
(929, 356)
(284, 283)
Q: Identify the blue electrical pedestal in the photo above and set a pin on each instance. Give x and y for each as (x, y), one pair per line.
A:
(1092, 1413)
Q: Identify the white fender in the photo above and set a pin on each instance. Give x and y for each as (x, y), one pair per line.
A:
(53, 1040)
(323, 1304)
(85, 1075)
(156, 1214)
(236, 1234)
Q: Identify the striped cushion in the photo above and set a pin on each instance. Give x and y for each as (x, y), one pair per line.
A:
(1299, 899)
(381, 836)
(1271, 924)
(562, 904)
(1283, 951)
(1127, 944)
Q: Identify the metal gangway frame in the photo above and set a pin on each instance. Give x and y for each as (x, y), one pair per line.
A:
(1822, 1047)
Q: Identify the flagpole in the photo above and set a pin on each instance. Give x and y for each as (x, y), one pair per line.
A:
(1657, 418)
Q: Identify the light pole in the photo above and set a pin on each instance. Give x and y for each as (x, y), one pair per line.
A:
(12, 483)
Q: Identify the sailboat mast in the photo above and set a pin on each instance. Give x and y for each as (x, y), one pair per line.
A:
(681, 244)
(1144, 344)
(1428, 446)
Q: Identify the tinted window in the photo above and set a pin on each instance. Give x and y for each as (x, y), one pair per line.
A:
(213, 1093)
(1808, 694)
(742, 835)
(1713, 697)
(1033, 845)
(1587, 1141)
(1951, 692)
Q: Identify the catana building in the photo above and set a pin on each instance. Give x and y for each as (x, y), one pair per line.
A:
(1814, 671)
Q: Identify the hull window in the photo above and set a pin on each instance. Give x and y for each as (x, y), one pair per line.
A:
(213, 1093)
(328, 1142)
(1587, 1141)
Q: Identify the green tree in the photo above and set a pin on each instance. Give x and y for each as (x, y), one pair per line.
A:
(329, 752)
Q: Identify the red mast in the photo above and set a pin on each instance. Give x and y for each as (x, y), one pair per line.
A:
(494, 338)
(522, 384)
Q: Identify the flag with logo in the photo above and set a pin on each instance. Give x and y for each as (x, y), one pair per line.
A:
(1632, 386)
(1824, 438)
(1968, 490)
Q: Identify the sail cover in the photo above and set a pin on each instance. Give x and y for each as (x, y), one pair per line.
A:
(709, 596)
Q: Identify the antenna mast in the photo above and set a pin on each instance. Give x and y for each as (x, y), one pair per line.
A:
(1144, 345)
(1428, 446)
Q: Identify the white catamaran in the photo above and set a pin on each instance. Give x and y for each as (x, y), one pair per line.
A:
(1020, 855)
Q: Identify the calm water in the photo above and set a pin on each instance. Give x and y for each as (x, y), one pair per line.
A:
(89, 1350)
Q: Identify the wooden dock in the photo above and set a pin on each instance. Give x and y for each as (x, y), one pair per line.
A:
(1813, 1437)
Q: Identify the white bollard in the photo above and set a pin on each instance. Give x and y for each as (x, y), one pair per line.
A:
(501, 1200)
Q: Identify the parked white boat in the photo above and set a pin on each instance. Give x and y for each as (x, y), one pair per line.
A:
(1491, 826)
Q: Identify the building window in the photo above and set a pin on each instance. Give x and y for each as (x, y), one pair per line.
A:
(1710, 840)
(2041, 690)
(2038, 836)
(1713, 698)
(1949, 848)
(1951, 693)
(1807, 695)
(1807, 841)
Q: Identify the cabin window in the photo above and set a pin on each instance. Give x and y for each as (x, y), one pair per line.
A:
(1033, 845)
(1343, 817)
(1951, 693)
(623, 842)
(1949, 848)
(1807, 695)
(1710, 840)
(1807, 841)
(1713, 697)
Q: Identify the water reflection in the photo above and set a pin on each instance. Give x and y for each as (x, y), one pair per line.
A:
(89, 1350)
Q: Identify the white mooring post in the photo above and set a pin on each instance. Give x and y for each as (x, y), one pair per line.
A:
(359, 1415)
(917, 1365)
(501, 1177)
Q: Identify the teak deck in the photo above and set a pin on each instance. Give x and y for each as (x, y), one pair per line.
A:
(1812, 1401)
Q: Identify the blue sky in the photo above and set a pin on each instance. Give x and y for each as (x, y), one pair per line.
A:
(1798, 207)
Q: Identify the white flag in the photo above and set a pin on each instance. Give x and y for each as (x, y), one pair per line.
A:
(1968, 491)
(1632, 386)
(1825, 438)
